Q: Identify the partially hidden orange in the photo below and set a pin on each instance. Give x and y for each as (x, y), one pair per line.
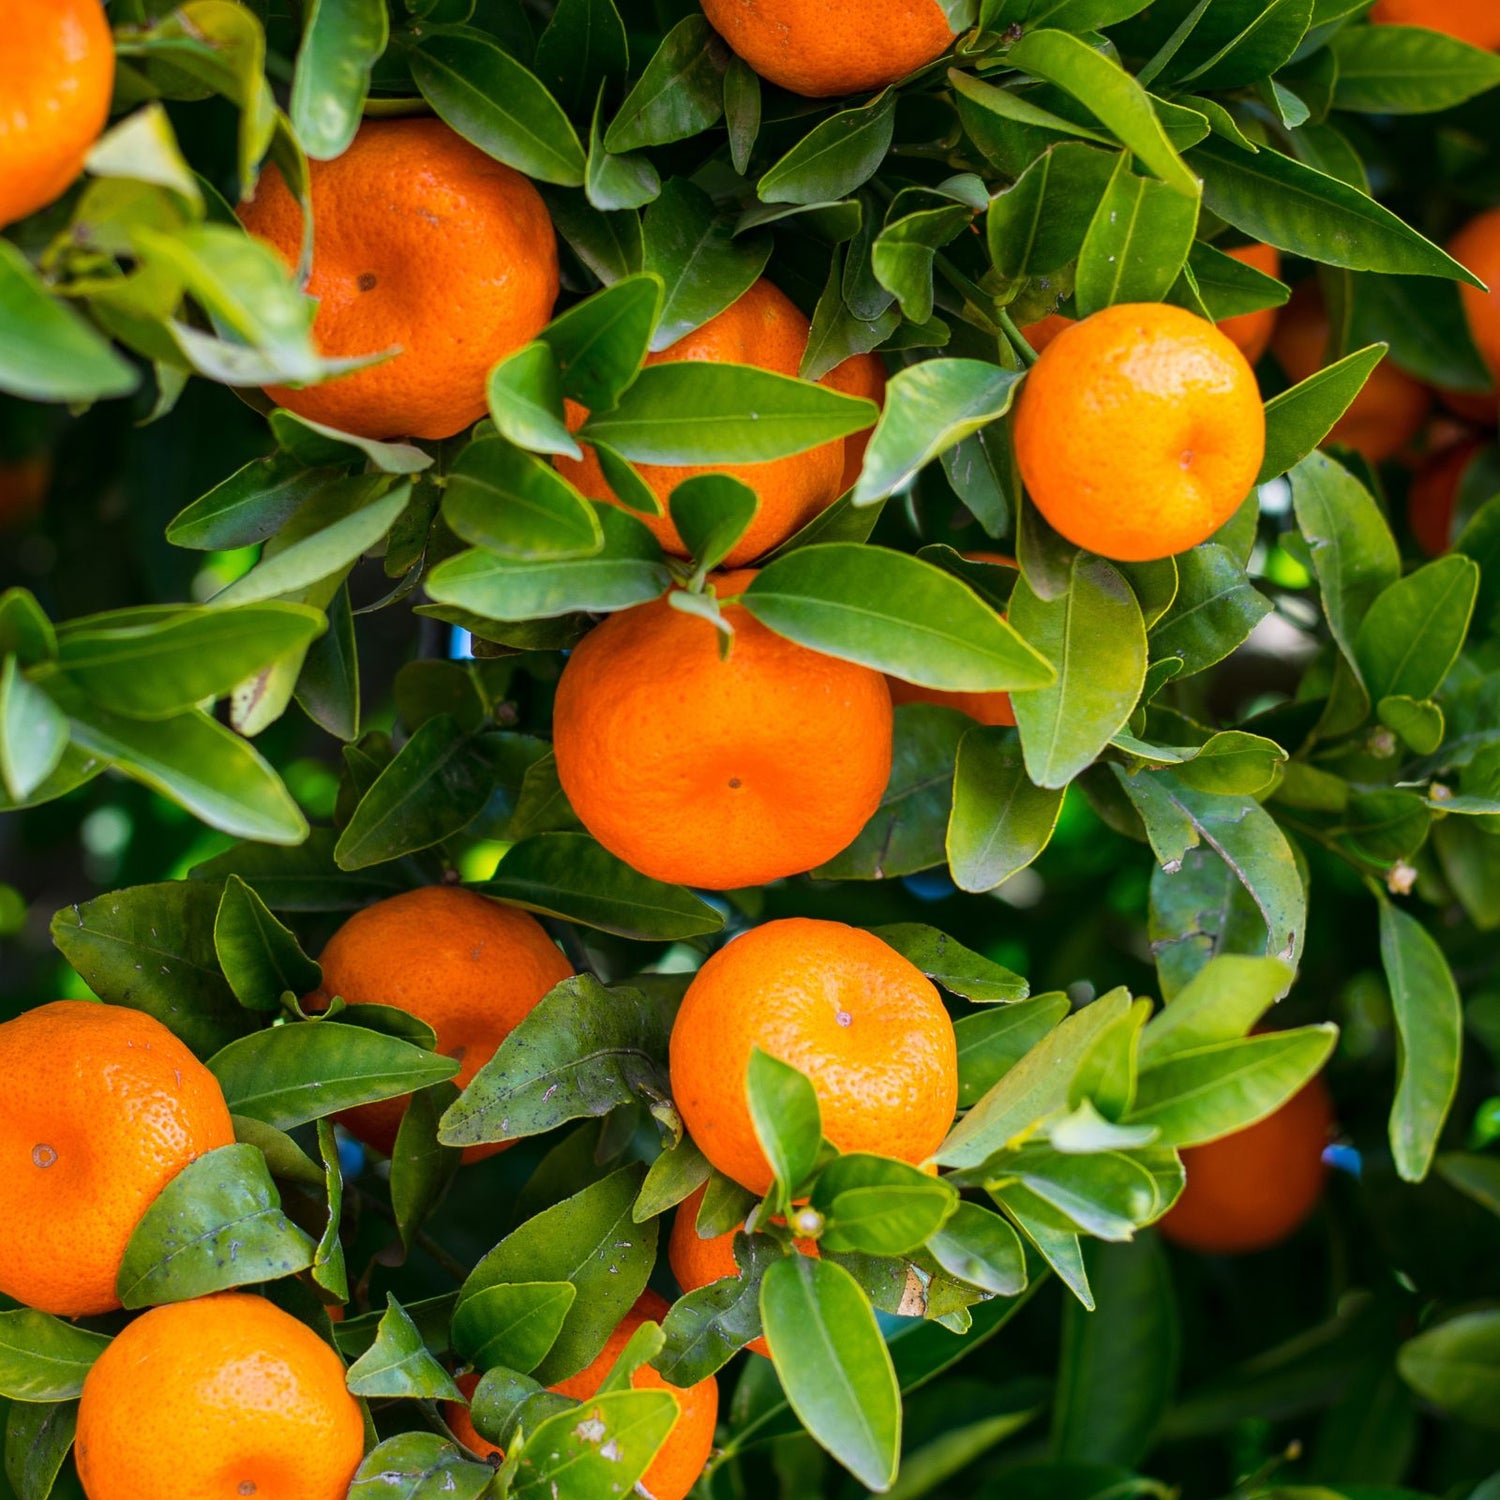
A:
(470, 967)
(1474, 21)
(224, 1396)
(422, 243)
(764, 328)
(863, 1023)
(1432, 501)
(1253, 1189)
(102, 1108)
(23, 487)
(1477, 246)
(57, 70)
(1139, 431)
(1385, 416)
(820, 48)
(1251, 332)
(682, 1456)
(715, 769)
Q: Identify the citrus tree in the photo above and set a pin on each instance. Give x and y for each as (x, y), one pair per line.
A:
(992, 505)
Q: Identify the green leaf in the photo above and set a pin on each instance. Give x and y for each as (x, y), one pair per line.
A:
(510, 502)
(835, 157)
(252, 504)
(947, 962)
(341, 41)
(526, 404)
(1096, 633)
(288, 1075)
(1407, 70)
(602, 1446)
(693, 412)
(43, 1358)
(930, 407)
(1107, 92)
(422, 1169)
(1220, 1003)
(590, 1240)
(876, 1205)
(680, 93)
(1136, 243)
(568, 875)
(1216, 608)
(25, 630)
(617, 182)
(399, 1364)
(834, 1365)
(1413, 631)
(895, 613)
(583, 45)
(33, 733)
(38, 1436)
(1429, 1032)
(437, 785)
(49, 353)
(1000, 821)
(991, 1043)
(600, 342)
(1037, 225)
(260, 957)
(1456, 1366)
(1298, 209)
(905, 251)
(788, 1122)
(314, 444)
(980, 1248)
(217, 1224)
(420, 1466)
(711, 513)
(492, 100)
(1215, 1090)
(1297, 420)
(1478, 1177)
(709, 1325)
(512, 1324)
(582, 1051)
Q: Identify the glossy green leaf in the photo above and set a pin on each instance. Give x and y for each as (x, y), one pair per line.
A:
(1408, 70)
(1215, 609)
(947, 962)
(399, 1364)
(251, 505)
(600, 342)
(341, 42)
(712, 1323)
(526, 404)
(512, 503)
(260, 957)
(512, 1324)
(1137, 242)
(419, 1466)
(788, 1122)
(1001, 820)
(994, 1041)
(43, 1358)
(680, 93)
(33, 733)
(1298, 419)
(605, 1445)
(711, 513)
(582, 46)
(1413, 630)
(834, 158)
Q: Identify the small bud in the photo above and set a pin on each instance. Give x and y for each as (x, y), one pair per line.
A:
(1400, 878)
(1382, 743)
(807, 1222)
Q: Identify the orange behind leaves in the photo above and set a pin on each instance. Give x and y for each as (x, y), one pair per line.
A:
(1474, 21)
(221, 1396)
(57, 69)
(468, 966)
(102, 1107)
(1139, 431)
(764, 328)
(23, 488)
(1251, 332)
(1432, 501)
(820, 48)
(1251, 1190)
(711, 770)
(1477, 246)
(1385, 416)
(680, 1459)
(696, 1261)
(425, 244)
(862, 1022)
(859, 375)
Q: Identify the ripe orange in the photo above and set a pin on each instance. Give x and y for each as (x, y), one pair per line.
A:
(1251, 332)
(23, 487)
(1139, 432)
(711, 770)
(680, 1459)
(859, 375)
(1474, 21)
(696, 1261)
(468, 966)
(1251, 1190)
(765, 328)
(824, 47)
(425, 244)
(1432, 501)
(57, 70)
(1044, 330)
(1385, 416)
(102, 1107)
(222, 1396)
(1477, 246)
(862, 1022)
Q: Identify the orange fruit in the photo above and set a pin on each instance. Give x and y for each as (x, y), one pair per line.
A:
(468, 966)
(824, 47)
(57, 70)
(862, 1022)
(102, 1107)
(680, 1459)
(221, 1396)
(1477, 246)
(859, 375)
(1474, 21)
(983, 708)
(1139, 431)
(696, 1261)
(1251, 1190)
(717, 770)
(1044, 330)
(764, 328)
(23, 487)
(1385, 416)
(1251, 332)
(423, 244)
(1432, 501)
